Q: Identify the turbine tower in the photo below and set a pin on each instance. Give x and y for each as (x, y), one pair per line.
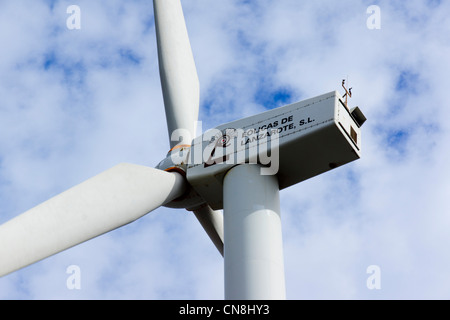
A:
(239, 167)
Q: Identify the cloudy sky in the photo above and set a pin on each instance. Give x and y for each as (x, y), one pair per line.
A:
(74, 103)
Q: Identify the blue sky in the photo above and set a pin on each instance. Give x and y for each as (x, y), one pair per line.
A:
(76, 102)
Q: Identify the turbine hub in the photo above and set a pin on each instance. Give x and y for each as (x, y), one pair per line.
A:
(176, 161)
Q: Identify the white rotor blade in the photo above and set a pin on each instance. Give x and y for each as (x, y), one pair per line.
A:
(179, 80)
(212, 222)
(105, 202)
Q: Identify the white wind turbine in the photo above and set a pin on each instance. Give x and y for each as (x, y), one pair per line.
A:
(239, 166)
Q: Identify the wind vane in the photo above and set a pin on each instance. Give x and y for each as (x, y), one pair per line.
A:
(348, 92)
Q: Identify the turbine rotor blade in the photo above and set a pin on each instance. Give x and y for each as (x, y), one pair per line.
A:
(179, 80)
(105, 202)
(212, 222)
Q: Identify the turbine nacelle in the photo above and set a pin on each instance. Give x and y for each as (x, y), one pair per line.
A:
(294, 142)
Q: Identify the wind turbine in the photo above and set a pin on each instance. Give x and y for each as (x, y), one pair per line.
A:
(238, 167)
